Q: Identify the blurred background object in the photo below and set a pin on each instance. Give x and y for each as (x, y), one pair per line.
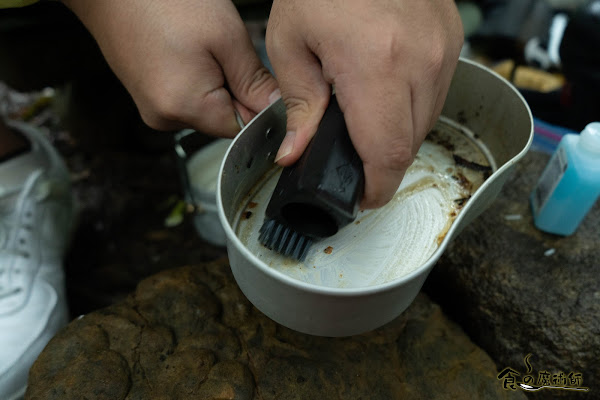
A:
(549, 49)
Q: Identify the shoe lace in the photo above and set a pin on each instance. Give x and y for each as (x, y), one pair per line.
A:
(10, 221)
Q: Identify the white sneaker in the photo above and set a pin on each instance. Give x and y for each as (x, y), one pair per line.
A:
(36, 218)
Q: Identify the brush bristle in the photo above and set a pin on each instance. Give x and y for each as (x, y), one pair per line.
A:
(284, 240)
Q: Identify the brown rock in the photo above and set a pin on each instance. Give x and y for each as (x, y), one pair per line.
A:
(189, 333)
(514, 297)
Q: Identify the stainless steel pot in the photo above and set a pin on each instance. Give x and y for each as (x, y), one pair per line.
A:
(478, 100)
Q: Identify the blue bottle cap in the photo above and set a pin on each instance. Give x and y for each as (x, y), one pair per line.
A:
(590, 138)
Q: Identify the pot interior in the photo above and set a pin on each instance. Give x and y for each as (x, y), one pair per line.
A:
(384, 244)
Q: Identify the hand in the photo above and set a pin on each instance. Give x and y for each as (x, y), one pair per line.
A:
(391, 63)
(186, 63)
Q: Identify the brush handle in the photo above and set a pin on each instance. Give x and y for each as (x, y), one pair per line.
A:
(321, 192)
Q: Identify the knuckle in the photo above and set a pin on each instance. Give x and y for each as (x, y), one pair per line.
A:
(161, 110)
(153, 121)
(398, 156)
(387, 51)
(297, 111)
(435, 57)
(256, 80)
(166, 110)
(304, 106)
(296, 105)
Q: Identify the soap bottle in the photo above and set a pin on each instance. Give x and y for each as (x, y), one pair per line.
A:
(570, 184)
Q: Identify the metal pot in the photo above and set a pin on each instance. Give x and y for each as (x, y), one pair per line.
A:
(479, 100)
(198, 165)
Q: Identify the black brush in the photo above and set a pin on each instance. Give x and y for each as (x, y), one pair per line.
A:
(319, 194)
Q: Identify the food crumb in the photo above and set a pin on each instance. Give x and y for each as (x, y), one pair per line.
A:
(252, 204)
(328, 250)
(341, 275)
(247, 214)
(357, 222)
(549, 252)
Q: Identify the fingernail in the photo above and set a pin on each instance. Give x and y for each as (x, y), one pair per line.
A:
(274, 96)
(286, 146)
(238, 119)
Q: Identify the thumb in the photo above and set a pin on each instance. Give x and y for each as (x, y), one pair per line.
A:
(305, 94)
(251, 84)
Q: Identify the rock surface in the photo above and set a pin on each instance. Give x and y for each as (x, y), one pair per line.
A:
(190, 333)
(518, 291)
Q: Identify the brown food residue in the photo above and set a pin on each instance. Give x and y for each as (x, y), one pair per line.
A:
(247, 214)
(461, 202)
(436, 137)
(328, 250)
(463, 181)
(252, 204)
(441, 238)
(471, 164)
